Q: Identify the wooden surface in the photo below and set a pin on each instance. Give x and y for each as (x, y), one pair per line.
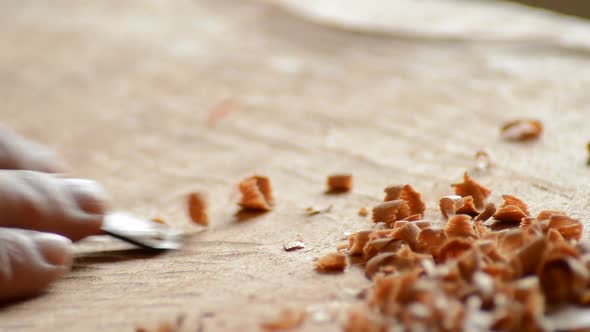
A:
(122, 90)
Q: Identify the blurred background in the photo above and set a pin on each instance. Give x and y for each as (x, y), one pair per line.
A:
(579, 8)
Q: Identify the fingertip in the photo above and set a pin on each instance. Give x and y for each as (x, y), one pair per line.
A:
(85, 225)
(55, 249)
(90, 196)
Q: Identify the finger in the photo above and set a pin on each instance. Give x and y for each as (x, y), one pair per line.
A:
(89, 195)
(30, 261)
(19, 153)
(43, 202)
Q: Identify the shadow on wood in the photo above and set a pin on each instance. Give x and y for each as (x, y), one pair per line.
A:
(115, 256)
(245, 215)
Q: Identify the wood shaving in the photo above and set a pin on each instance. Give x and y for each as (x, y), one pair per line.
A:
(510, 213)
(293, 245)
(414, 199)
(570, 229)
(409, 194)
(553, 235)
(515, 201)
(488, 211)
(160, 220)
(197, 208)
(547, 214)
(454, 248)
(468, 207)
(378, 246)
(338, 183)
(256, 193)
(363, 212)
(484, 160)
(166, 326)
(414, 217)
(393, 193)
(286, 320)
(357, 241)
(332, 262)
(219, 111)
(563, 278)
(391, 211)
(364, 321)
(471, 188)
(522, 130)
(407, 233)
(431, 239)
(459, 226)
(312, 211)
(481, 231)
(449, 205)
(422, 224)
(163, 327)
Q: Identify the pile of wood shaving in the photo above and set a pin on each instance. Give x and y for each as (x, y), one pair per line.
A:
(465, 275)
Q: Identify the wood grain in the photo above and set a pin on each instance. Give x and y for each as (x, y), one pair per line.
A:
(123, 90)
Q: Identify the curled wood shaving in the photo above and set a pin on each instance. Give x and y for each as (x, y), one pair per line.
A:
(481, 231)
(357, 241)
(332, 262)
(563, 278)
(287, 319)
(521, 130)
(471, 188)
(363, 212)
(378, 246)
(393, 192)
(380, 234)
(570, 229)
(547, 214)
(511, 240)
(431, 239)
(389, 262)
(510, 213)
(414, 199)
(256, 193)
(391, 211)
(364, 321)
(459, 226)
(409, 194)
(513, 200)
(527, 258)
(163, 327)
(338, 183)
(449, 205)
(483, 159)
(197, 208)
(423, 224)
(407, 233)
(414, 217)
(488, 211)
(468, 207)
(453, 248)
(553, 235)
(469, 263)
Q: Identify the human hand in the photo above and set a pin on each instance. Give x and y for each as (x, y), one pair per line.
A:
(40, 215)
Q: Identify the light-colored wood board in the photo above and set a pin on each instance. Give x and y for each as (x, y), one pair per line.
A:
(122, 90)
